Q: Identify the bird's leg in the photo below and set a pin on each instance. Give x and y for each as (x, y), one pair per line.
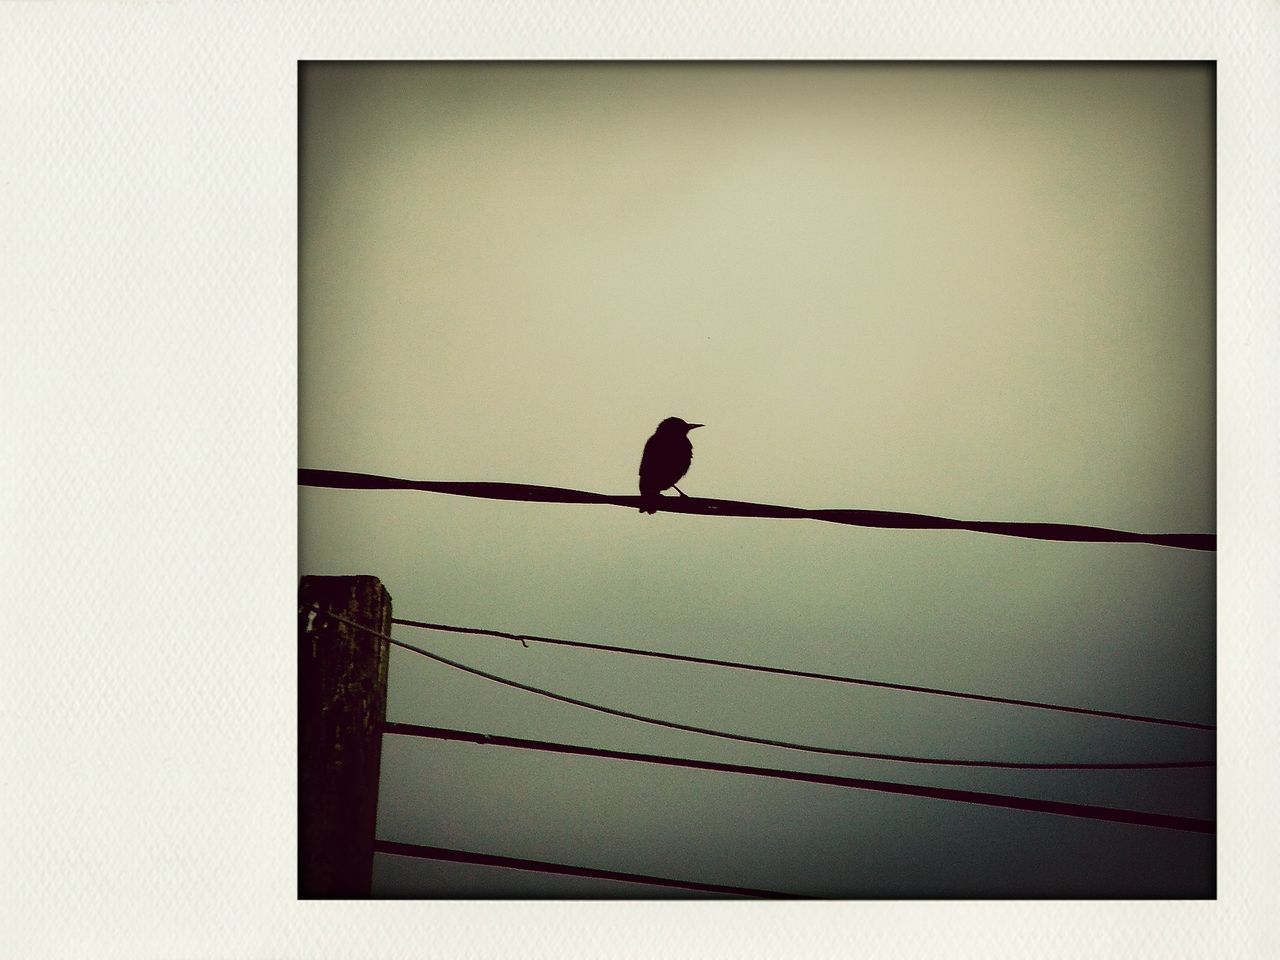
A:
(678, 490)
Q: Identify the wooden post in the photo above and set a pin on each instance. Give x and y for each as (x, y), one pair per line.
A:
(342, 704)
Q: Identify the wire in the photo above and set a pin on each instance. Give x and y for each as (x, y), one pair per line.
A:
(763, 741)
(1060, 808)
(783, 671)
(542, 866)
(528, 492)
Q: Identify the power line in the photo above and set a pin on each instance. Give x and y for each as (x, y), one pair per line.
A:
(1057, 807)
(542, 866)
(763, 741)
(533, 493)
(806, 674)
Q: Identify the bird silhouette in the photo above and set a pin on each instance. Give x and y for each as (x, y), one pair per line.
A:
(667, 455)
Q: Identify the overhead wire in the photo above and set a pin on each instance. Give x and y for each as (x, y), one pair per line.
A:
(1031, 804)
(765, 741)
(536, 493)
(421, 851)
(526, 638)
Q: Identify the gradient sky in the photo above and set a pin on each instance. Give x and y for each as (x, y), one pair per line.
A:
(980, 291)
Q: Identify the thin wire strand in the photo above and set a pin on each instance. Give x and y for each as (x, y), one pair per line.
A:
(806, 674)
(763, 741)
(397, 849)
(1086, 811)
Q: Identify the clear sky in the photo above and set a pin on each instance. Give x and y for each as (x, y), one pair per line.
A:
(978, 291)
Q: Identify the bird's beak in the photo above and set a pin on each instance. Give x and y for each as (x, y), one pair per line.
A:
(694, 426)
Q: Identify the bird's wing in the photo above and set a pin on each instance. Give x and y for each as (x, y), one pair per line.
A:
(649, 459)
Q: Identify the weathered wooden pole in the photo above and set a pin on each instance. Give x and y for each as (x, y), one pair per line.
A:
(342, 704)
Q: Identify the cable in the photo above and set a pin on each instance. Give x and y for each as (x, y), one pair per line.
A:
(542, 866)
(783, 671)
(528, 492)
(1060, 808)
(743, 738)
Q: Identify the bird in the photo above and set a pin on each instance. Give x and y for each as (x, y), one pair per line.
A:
(666, 458)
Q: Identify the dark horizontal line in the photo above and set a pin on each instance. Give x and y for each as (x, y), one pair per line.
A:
(803, 674)
(739, 508)
(768, 741)
(805, 747)
(542, 866)
(1056, 807)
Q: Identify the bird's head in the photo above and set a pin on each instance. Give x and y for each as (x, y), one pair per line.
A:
(676, 425)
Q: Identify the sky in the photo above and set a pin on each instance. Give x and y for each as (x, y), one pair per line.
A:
(977, 291)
